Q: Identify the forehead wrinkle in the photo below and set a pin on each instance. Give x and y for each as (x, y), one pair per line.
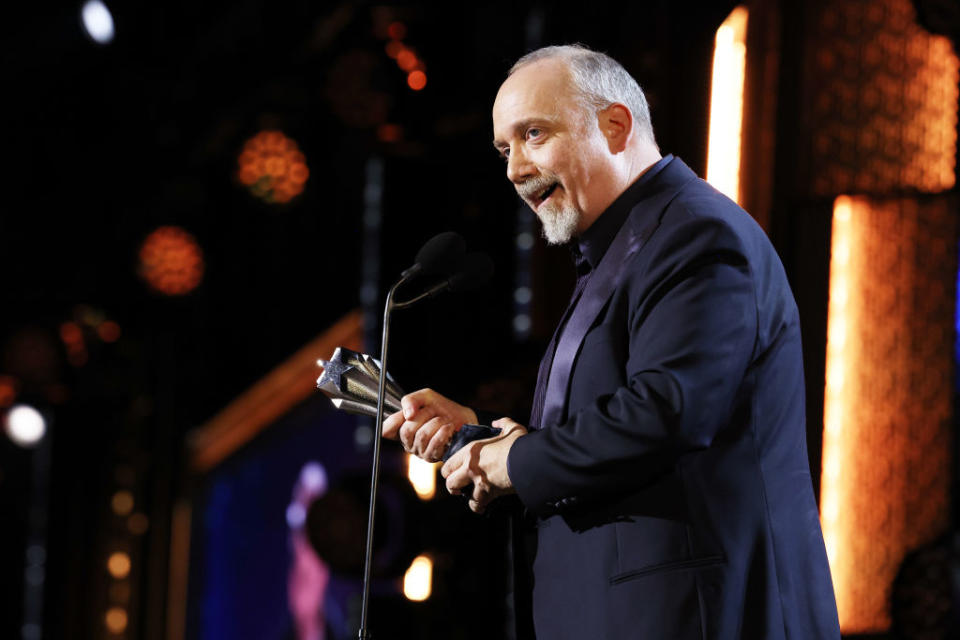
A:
(543, 88)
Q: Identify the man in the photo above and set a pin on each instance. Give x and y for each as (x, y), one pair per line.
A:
(666, 458)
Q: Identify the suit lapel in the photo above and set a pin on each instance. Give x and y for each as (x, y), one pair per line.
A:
(639, 226)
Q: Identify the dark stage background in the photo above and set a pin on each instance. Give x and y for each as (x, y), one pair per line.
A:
(106, 143)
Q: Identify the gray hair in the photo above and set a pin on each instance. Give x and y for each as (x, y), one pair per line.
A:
(599, 80)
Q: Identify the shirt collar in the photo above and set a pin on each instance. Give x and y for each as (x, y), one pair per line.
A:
(593, 243)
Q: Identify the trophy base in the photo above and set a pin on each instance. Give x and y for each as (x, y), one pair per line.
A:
(467, 434)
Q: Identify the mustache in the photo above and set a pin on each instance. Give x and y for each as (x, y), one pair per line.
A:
(533, 187)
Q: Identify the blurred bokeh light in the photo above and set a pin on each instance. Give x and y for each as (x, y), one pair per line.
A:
(97, 21)
(423, 476)
(171, 261)
(116, 619)
(418, 579)
(272, 167)
(25, 425)
(118, 564)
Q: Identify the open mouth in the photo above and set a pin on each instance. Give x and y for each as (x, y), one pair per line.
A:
(547, 193)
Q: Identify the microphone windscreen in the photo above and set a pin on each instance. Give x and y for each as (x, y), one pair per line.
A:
(476, 270)
(442, 254)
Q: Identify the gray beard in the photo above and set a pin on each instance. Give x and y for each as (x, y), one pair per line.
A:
(559, 223)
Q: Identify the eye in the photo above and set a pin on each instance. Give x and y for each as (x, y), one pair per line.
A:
(533, 132)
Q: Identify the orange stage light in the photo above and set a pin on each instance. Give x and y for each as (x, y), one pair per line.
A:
(388, 132)
(137, 524)
(118, 564)
(397, 30)
(726, 104)
(116, 619)
(71, 333)
(422, 476)
(394, 48)
(417, 80)
(171, 261)
(418, 579)
(407, 60)
(272, 167)
(109, 331)
(887, 399)
(882, 100)
(8, 390)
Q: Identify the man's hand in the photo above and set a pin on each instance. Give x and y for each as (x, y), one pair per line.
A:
(483, 463)
(426, 423)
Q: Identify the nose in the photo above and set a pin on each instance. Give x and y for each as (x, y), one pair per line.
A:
(519, 167)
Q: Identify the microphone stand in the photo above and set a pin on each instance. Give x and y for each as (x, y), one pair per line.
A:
(375, 474)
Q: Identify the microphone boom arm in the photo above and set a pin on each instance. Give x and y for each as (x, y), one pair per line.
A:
(388, 307)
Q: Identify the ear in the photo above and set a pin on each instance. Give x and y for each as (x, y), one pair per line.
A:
(616, 125)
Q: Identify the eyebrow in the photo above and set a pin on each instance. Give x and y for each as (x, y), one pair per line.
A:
(519, 127)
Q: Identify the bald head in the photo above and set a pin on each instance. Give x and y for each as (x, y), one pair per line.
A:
(598, 81)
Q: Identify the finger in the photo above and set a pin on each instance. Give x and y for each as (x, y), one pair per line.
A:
(425, 433)
(392, 424)
(439, 442)
(481, 492)
(475, 506)
(459, 479)
(408, 431)
(454, 463)
(508, 426)
(413, 402)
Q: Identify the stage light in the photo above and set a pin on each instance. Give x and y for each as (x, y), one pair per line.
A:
(423, 476)
(393, 48)
(397, 30)
(296, 515)
(314, 477)
(521, 323)
(116, 619)
(118, 564)
(726, 104)
(122, 502)
(407, 60)
(418, 579)
(25, 425)
(171, 261)
(97, 21)
(72, 336)
(417, 80)
(885, 473)
(272, 167)
(109, 331)
(8, 390)
(388, 132)
(137, 524)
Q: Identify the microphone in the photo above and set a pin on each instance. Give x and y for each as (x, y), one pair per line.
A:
(475, 269)
(441, 254)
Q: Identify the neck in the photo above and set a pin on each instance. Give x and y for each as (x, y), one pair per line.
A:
(642, 157)
(647, 154)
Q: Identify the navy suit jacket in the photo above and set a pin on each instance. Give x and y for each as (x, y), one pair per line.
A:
(672, 489)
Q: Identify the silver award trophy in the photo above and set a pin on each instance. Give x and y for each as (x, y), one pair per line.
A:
(351, 381)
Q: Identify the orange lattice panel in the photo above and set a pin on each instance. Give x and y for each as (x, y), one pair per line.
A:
(882, 101)
(887, 407)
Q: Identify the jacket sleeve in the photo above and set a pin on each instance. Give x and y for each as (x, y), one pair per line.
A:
(693, 327)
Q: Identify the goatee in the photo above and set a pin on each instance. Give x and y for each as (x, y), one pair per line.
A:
(559, 223)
